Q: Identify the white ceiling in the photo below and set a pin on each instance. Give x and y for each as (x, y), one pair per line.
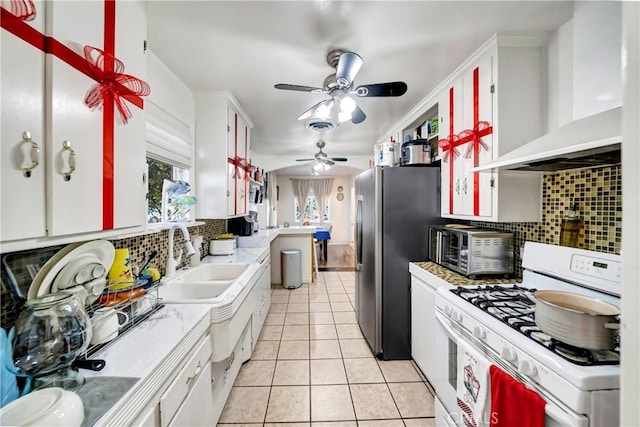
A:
(246, 47)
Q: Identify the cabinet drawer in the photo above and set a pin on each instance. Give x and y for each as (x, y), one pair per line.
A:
(179, 388)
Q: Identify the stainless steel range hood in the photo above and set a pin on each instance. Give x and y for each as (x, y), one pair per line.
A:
(588, 142)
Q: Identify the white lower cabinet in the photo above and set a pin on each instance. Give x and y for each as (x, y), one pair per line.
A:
(423, 323)
(190, 389)
(197, 408)
(263, 302)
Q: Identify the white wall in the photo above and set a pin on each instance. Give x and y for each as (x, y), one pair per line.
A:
(339, 212)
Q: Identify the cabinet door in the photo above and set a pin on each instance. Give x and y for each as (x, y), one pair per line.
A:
(242, 153)
(197, 408)
(129, 141)
(75, 203)
(423, 324)
(22, 211)
(476, 191)
(450, 111)
(232, 171)
(263, 302)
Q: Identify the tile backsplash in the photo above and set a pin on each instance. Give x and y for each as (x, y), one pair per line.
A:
(139, 247)
(598, 193)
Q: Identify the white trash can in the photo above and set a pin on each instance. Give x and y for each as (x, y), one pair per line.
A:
(291, 266)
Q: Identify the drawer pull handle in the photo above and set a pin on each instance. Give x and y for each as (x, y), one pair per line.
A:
(72, 160)
(34, 153)
(195, 373)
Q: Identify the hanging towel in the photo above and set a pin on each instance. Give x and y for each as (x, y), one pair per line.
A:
(512, 404)
(472, 386)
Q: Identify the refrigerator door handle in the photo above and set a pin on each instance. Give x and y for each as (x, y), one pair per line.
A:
(359, 233)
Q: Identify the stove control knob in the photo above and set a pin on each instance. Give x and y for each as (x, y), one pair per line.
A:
(528, 368)
(479, 332)
(447, 310)
(509, 354)
(455, 316)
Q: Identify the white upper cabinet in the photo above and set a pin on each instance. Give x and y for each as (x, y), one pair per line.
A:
(22, 211)
(222, 146)
(91, 166)
(495, 102)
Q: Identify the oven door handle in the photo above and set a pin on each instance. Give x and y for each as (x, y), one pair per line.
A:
(552, 410)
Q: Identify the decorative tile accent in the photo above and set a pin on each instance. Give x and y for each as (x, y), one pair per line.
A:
(598, 193)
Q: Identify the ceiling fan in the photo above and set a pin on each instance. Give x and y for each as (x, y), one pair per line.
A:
(339, 86)
(321, 161)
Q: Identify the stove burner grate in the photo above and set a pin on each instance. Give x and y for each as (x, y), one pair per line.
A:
(515, 306)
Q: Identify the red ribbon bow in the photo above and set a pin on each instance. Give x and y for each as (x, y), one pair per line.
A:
(248, 169)
(449, 145)
(111, 85)
(475, 136)
(237, 163)
(24, 10)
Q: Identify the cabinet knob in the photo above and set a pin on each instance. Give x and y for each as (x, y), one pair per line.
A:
(458, 186)
(464, 186)
(66, 145)
(34, 154)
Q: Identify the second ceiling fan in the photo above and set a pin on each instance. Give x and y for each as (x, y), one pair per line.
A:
(320, 160)
(339, 86)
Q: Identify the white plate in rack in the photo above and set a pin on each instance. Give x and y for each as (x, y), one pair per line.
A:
(102, 250)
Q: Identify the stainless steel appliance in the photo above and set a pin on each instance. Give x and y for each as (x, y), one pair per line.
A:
(394, 207)
(416, 152)
(243, 225)
(581, 387)
(471, 251)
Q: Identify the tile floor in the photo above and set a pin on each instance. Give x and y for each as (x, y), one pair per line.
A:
(312, 367)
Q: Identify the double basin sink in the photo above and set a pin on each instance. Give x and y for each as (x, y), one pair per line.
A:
(199, 284)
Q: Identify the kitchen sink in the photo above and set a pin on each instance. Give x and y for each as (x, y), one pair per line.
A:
(179, 293)
(198, 284)
(210, 272)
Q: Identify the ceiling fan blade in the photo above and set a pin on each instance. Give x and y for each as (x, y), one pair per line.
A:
(339, 159)
(299, 88)
(357, 115)
(305, 160)
(382, 89)
(347, 68)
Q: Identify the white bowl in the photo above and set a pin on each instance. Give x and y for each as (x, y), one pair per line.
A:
(54, 407)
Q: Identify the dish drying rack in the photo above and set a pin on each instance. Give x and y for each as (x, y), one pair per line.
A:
(127, 300)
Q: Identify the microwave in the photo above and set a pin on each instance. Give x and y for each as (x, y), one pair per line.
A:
(472, 251)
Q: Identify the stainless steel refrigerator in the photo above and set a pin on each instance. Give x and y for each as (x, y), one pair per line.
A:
(394, 207)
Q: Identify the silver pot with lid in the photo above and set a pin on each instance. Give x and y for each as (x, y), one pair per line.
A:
(416, 152)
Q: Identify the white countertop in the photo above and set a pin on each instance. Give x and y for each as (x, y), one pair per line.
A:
(143, 350)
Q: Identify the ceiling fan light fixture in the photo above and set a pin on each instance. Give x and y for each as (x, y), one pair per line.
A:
(347, 105)
(343, 116)
(324, 110)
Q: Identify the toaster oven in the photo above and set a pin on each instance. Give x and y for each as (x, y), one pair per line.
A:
(472, 251)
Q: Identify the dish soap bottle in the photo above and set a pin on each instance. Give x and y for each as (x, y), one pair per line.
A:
(570, 228)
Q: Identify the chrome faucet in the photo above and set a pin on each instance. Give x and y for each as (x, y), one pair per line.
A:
(173, 263)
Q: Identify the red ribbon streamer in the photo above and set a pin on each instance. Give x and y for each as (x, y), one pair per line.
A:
(24, 10)
(111, 84)
(118, 87)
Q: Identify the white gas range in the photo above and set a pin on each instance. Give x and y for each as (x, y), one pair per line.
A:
(580, 387)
